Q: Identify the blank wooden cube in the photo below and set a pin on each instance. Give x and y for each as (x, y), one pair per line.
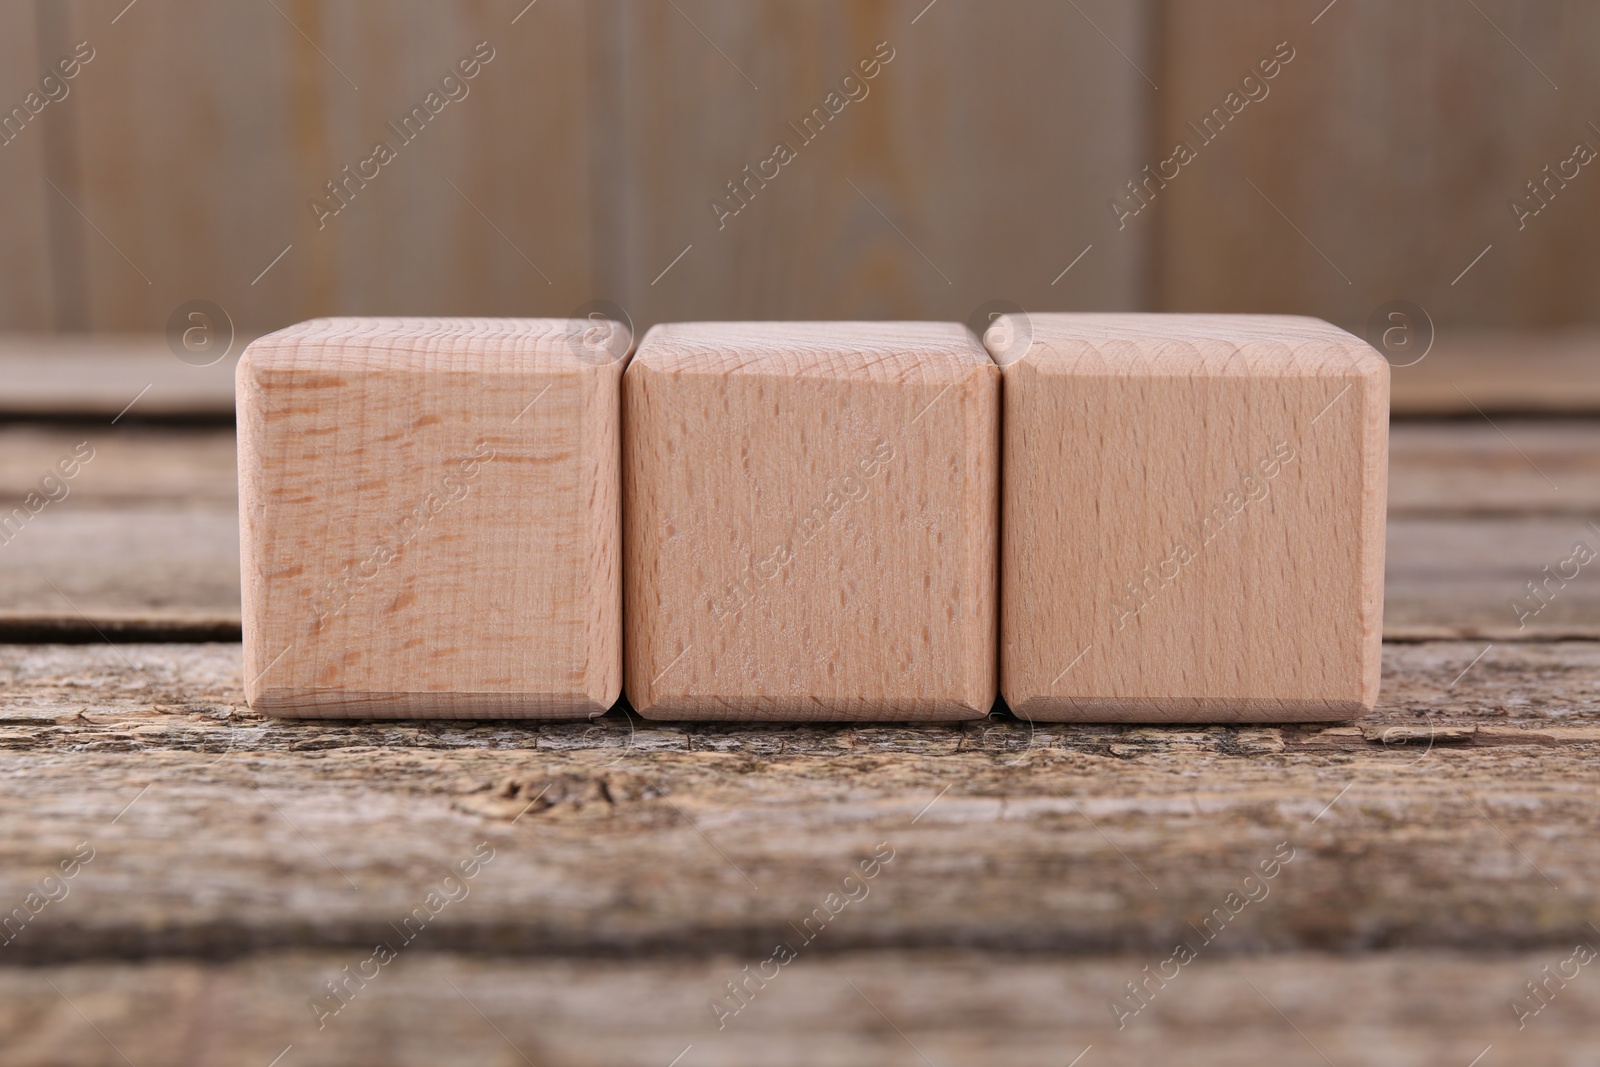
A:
(1193, 518)
(810, 521)
(430, 517)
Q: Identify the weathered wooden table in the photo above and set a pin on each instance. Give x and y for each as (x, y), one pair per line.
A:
(1426, 863)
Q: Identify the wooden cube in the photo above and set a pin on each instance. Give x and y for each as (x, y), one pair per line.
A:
(430, 523)
(1193, 518)
(810, 521)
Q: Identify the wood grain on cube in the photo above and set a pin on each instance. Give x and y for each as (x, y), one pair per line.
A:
(1471, 522)
(810, 521)
(1193, 518)
(429, 517)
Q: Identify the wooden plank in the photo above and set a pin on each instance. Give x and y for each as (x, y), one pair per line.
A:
(177, 562)
(1318, 155)
(1193, 519)
(267, 104)
(220, 832)
(99, 378)
(862, 211)
(811, 521)
(141, 541)
(26, 262)
(1391, 1008)
(1488, 372)
(1507, 466)
(129, 464)
(1467, 578)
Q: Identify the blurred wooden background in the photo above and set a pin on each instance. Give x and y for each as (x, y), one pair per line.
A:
(979, 165)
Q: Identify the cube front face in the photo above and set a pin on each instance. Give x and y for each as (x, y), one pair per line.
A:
(810, 522)
(429, 517)
(1193, 520)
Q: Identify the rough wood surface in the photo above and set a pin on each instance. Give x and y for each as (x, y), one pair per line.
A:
(1016, 906)
(429, 517)
(1192, 519)
(1460, 815)
(141, 542)
(1452, 577)
(810, 521)
(93, 562)
(1507, 466)
(897, 1009)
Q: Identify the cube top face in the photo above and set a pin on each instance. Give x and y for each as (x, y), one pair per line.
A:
(1162, 344)
(1193, 520)
(429, 517)
(868, 351)
(810, 521)
(461, 345)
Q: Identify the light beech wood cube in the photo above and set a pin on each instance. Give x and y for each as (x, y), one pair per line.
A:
(810, 521)
(1193, 518)
(429, 515)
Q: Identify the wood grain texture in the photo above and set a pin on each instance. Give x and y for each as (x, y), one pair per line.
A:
(429, 512)
(1394, 143)
(200, 132)
(1504, 578)
(26, 256)
(1436, 468)
(85, 562)
(167, 570)
(1469, 786)
(140, 541)
(810, 520)
(130, 465)
(1192, 523)
(1394, 1009)
(205, 131)
(963, 171)
(1501, 467)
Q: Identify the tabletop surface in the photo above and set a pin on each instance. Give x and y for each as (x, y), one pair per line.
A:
(1426, 862)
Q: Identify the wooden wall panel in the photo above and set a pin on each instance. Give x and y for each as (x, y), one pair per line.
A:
(1394, 141)
(24, 210)
(983, 160)
(972, 169)
(211, 127)
(512, 235)
(184, 155)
